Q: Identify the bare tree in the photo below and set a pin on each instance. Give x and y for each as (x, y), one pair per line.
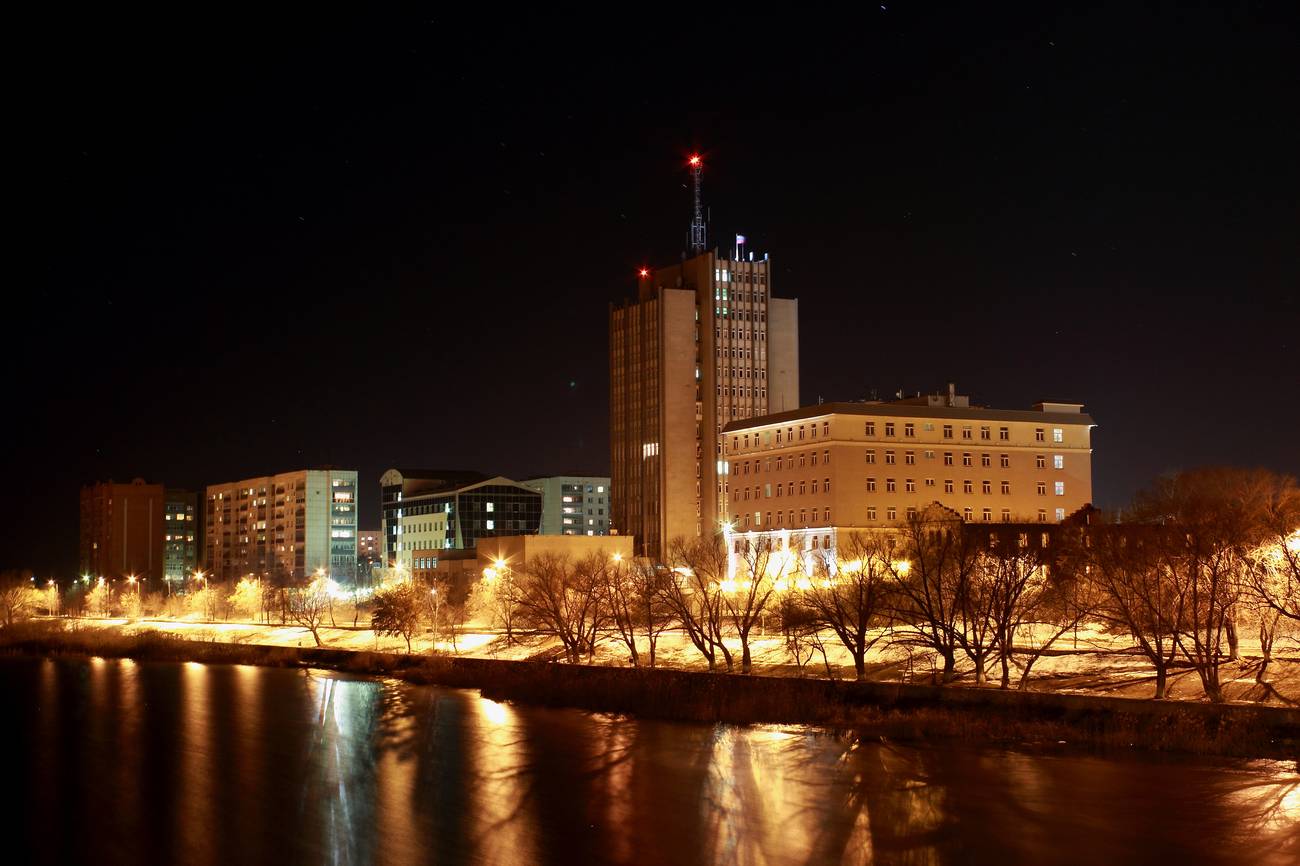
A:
(748, 588)
(498, 596)
(397, 611)
(1273, 565)
(17, 597)
(929, 569)
(694, 594)
(852, 603)
(565, 599)
(636, 606)
(1140, 595)
(308, 606)
(1210, 522)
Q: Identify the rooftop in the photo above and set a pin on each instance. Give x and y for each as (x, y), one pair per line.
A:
(923, 407)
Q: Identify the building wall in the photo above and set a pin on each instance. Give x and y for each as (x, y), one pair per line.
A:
(783, 355)
(573, 504)
(181, 532)
(778, 468)
(282, 527)
(422, 515)
(122, 530)
(691, 355)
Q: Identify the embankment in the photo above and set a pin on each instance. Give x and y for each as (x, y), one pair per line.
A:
(896, 710)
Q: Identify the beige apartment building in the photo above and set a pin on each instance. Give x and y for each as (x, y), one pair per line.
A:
(282, 527)
(874, 464)
(704, 345)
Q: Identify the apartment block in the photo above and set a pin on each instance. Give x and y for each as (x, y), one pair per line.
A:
(573, 504)
(283, 527)
(122, 530)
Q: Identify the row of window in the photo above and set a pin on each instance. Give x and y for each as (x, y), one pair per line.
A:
(792, 433)
(823, 516)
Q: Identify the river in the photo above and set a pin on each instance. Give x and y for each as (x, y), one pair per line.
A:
(123, 762)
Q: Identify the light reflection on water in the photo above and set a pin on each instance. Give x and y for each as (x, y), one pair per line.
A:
(211, 764)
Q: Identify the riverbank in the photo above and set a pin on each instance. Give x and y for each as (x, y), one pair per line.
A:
(887, 710)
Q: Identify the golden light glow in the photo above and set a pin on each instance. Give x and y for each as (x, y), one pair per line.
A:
(489, 574)
(903, 567)
(1293, 543)
(781, 584)
(851, 565)
(803, 583)
(500, 564)
(618, 557)
(727, 585)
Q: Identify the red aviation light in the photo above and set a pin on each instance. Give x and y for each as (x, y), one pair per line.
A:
(644, 272)
(694, 161)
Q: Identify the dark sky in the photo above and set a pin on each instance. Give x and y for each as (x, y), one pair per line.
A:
(259, 245)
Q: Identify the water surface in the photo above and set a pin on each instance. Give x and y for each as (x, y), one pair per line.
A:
(125, 762)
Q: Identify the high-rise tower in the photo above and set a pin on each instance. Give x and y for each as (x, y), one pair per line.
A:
(703, 344)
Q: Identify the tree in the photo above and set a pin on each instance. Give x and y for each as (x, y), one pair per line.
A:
(1140, 596)
(1210, 521)
(565, 599)
(1056, 596)
(246, 600)
(1273, 565)
(749, 586)
(497, 597)
(852, 602)
(636, 606)
(397, 610)
(100, 598)
(17, 597)
(694, 594)
(309, 605)
(928, 570)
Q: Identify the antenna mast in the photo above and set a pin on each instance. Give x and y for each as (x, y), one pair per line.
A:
(697, 222)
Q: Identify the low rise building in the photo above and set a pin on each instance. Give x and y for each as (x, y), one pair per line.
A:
(370, 553)
(435, 511)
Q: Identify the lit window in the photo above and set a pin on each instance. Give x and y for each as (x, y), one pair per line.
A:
(1058, 435)
(491, 507)
(1058, 460)
(1060, 488)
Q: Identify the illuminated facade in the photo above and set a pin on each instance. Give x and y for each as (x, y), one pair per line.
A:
(705, 344)
(282, 527)
(427, 511)
(122, 530)
(370, 553)
(573, 504)
(875, 464)
(180, 535)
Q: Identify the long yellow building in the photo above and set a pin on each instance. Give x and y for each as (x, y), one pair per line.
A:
(874, 464)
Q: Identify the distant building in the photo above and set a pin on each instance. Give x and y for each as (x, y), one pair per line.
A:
(283, 527)
(180, 535)
(573, 504)
(875, 464)
(442, 510)
(370, 553)
(499, 554)
(122, 531)
(705, 344)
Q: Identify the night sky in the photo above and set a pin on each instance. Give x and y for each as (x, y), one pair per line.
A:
(260, 245)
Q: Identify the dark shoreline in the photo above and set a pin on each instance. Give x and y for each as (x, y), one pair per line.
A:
(893, 710)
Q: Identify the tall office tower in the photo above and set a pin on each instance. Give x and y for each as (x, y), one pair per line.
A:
(573, 504)
(180, 536)
(704, 344)
(283, 527)
(122, 531)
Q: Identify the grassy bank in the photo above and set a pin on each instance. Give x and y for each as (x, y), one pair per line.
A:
(901, 711)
